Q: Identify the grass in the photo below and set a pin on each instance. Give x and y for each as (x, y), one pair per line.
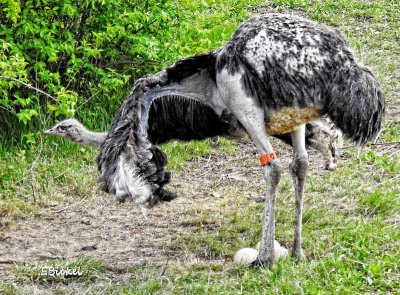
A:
(90, 271)
(179, 153)
(30, 179)
(351, 216)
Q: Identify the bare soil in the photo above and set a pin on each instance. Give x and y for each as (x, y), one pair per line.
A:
(118, 235)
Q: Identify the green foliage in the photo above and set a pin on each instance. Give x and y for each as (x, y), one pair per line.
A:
(86, 54)
(77, 50)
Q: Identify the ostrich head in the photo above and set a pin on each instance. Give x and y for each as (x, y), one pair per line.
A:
(70, 129)
(73, 130)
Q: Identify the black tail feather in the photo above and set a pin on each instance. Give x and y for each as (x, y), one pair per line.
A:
(355, 103)
(150, 160)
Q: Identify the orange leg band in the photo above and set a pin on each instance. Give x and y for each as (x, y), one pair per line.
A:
(267, 158)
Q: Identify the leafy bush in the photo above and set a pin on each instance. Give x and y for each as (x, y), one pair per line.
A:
(86, 54)
(77, 50)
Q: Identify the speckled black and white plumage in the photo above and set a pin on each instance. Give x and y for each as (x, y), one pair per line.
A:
(292, 62)
(274, 75)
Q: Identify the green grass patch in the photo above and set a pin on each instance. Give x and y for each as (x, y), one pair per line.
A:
(348, 270)
(56, 271)
(383, 162)
(358, 256)
(31, 179)
(7, 289)
(391, 132)
(382, 201)
(179, 153)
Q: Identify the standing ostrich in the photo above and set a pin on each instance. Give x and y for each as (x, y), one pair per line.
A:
(274, 75)
(320, 135)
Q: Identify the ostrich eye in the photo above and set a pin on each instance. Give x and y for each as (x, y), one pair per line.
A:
(62, 128)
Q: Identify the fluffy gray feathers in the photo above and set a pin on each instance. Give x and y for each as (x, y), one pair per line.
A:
(285, 62)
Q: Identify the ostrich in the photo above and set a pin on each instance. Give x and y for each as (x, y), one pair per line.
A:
(275, 74)
(320, 135)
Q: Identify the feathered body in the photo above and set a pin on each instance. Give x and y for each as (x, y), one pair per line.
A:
(295, 69)
(288, 62)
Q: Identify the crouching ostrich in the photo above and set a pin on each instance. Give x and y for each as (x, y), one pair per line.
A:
(275, 74)
(320, 135)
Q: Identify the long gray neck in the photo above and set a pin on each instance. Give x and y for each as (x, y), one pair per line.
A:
(90, 138)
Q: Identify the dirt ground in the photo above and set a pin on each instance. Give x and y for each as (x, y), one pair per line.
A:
(118, 235)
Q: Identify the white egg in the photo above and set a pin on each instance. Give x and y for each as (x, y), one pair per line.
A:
(245, 256)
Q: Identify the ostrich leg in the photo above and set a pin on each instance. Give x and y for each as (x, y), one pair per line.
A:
(272, 173)
(298, 170)
(251, 116)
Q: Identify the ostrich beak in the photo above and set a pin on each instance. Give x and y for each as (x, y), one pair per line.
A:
(49, 132)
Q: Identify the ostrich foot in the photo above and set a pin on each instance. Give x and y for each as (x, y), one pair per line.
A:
(298, 255)
(279, 251)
